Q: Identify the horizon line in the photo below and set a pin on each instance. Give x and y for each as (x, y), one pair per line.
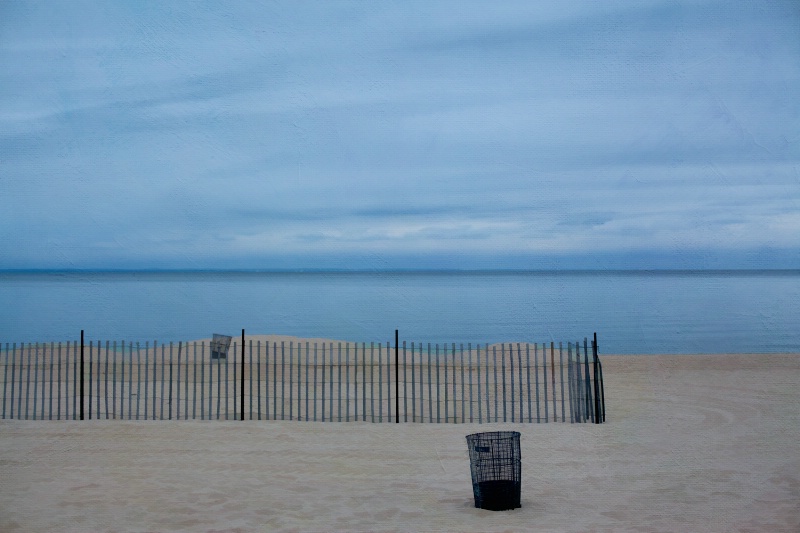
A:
(379, 271)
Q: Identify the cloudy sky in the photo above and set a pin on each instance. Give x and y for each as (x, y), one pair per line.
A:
(397, 134)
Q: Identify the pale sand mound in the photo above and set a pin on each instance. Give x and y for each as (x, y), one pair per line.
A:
(692, 443)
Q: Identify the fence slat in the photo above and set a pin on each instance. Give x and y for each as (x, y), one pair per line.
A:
(219, 385)
(36, 378)
(455, 379)
(339, 381)
(478, 357)
(388, 381)
(315, 382)
(380, 383)
(202, 382)
(571, 378)
(99, 355)
(291, 385)
(330, 381)
(496, 399)
(575, 391)
(258, 374)
(438, 387)
(488, 394)
(299, 381)
(169, 405)
(66, 382)
(469, 352)
(105, 382)
(444, 349)
(589, 403)
(36, 381)
(347, 381)
(185, 383)
(528, 372)
(372, 381)
(553, 378)
(251, 377)
(163, 368)
(13, 356)
(323, 368)
(90, 381)
(463, 387)
(114, 409)
(283, 381)
(421, 382)
(307, 418)
(147, 383)
(227, 381)
(430, 386)
(511, 387)
(122, 380)
(28, 381)
(211, 369)
(155, 380)
(421, 387)
(521, 366)
(274, 381)
(65, 363)
(210, 378)
(5, 382)
(14, 379)
(356, 382)
(50, 408)
(405, 385)
(561, 367)
(58, 416)
(203, 403)
(44, 379)
(364, 381)
(138, 377)
(581, 384)
(110, 373)
(536, 378)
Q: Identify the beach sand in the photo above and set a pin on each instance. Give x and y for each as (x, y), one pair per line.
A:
(691, 443)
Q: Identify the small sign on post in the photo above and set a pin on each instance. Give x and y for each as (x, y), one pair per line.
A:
(219, 346)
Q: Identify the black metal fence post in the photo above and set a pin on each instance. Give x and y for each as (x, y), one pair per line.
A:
(597, 418)
(242, 380)
(396, 377)
(602, 387)
(81, 374)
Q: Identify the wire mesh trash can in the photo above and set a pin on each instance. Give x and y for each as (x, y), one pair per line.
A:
(494, 461)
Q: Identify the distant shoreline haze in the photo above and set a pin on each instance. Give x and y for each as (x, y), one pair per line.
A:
(764, 258)
(431, 271)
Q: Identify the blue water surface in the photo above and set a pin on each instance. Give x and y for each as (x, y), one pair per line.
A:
(631, 311)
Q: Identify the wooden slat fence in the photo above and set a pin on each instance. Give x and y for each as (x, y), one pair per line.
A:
(331, 382)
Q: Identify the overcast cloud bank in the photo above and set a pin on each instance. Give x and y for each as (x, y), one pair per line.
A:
(400, 135)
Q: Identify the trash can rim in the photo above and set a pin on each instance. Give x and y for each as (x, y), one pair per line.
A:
(495, 434)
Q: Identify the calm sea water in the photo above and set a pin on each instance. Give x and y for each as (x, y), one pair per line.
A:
(632, 312)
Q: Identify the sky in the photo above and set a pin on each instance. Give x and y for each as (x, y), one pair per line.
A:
(400, 134)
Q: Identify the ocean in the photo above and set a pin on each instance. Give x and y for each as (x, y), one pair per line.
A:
(633, 312)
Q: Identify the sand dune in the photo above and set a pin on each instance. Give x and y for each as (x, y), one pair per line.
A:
(692, 443)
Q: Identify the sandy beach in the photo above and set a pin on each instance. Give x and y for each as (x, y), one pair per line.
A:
(691, 443)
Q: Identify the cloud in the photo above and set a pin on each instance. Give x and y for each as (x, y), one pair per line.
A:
(205, 134)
